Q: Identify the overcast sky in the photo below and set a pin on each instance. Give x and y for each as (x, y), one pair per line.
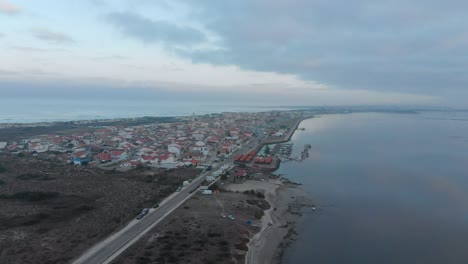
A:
(299, 52)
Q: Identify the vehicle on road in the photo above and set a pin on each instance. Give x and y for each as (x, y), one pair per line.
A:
(231, 217)
(207, 192)
(156, 205)
(223, 215)
(179, 189)
(144, 211)
(140, 216)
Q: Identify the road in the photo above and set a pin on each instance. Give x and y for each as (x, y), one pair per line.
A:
(111, 247)
(108, 249)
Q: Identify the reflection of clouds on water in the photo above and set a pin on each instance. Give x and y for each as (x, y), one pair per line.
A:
(446, 187)
(399, 185)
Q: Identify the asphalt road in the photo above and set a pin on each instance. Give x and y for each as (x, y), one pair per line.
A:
(108, 249)
(102, 253)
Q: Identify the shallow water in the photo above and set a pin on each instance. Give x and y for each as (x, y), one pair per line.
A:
(390, 188)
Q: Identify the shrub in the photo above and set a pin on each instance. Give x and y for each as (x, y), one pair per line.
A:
(30, 196)
(31, 176)
(2, 169)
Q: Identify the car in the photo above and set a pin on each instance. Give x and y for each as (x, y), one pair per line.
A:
(140, 216)
(156, 205)
(223, 215)
(231, 217)
(145, 211)
(179, 189)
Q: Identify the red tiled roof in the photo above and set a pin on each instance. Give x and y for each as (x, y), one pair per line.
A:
(104, 156)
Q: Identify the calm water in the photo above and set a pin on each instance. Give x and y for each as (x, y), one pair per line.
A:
(30, 110)
(390, 188)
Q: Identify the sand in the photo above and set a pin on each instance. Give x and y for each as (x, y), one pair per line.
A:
(265, 246)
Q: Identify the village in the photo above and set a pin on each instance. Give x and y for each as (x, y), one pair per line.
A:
(188, 141)
(99, 177)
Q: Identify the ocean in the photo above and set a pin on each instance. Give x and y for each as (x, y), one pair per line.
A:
(32, 110)
(389, 188)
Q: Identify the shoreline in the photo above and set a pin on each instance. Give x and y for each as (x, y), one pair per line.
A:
(278, 223)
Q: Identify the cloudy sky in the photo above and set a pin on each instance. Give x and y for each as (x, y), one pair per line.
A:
(303, 52)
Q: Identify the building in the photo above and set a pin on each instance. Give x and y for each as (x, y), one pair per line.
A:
(3, 145)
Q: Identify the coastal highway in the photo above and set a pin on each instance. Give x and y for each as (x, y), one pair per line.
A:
(111, 247)
(108, 249)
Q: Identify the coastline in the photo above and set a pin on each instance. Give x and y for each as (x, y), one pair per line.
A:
(278, 222)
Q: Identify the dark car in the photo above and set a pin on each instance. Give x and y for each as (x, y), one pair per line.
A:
(145, 211)
(140, 216)
(156, 205)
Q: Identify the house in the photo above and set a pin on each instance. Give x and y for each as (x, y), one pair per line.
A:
(3, 145)
(166, 159)
(213, 139)
(201, 147)
(104, 157)
(148, 159)
(130, 164)
(193, 162)
(198, 136)
(118, 155)
(81, 157)
(174, 149)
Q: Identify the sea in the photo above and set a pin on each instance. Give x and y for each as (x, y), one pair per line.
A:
(34, 110)
(389, 188)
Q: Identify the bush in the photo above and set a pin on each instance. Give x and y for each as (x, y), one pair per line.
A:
(31, 176)
(260, 195)
(30, 196)
(2, 169)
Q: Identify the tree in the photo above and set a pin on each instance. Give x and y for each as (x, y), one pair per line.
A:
(267, 150)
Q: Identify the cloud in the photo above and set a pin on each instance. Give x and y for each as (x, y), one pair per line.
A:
(112, 57)
(98, 3)
(33, 49)
(400, 46)
(8, 8)
(147, 30)
(8, 72)
(52, 37)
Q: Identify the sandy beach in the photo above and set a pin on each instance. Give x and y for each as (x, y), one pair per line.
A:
(265, 246)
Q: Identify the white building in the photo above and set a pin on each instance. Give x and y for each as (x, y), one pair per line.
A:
(174, 149)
